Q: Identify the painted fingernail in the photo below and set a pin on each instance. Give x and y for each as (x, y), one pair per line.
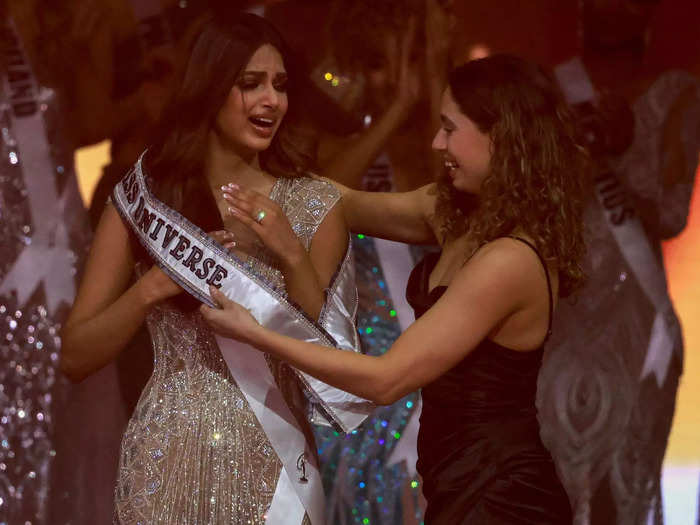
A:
(231, 210)
(233, 186)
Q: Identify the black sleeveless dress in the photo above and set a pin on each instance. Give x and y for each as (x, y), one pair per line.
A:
(479, 448)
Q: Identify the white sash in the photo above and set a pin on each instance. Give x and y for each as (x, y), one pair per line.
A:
(195, 261)
(48, 258)
(637, 252)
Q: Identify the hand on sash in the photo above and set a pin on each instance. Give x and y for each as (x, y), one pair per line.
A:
(230, 319)
(266, 220)
(225, 238)
(158, 286)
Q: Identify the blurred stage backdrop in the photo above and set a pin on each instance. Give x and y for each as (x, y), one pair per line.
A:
(368, 468)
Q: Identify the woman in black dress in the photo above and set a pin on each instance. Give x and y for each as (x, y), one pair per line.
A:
(507, 215)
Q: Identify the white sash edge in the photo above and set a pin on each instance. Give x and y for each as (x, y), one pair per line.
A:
(250, 371)
(636, 250)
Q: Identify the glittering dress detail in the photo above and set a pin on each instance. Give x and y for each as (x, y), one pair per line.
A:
(194, 451)
(479, 450)
(43, 243)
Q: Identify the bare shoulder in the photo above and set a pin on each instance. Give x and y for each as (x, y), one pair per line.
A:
(504, 266)
(111, 222)
(111, 244)
(505, 252)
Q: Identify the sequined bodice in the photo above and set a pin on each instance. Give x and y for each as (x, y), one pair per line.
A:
(194, 451)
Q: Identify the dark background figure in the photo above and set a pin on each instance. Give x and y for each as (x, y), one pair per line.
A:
(95, 70)
(56, 440)
(607, 390)
(370, 58)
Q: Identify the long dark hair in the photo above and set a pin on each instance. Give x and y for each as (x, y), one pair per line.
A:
(175, 159)
(538, 168)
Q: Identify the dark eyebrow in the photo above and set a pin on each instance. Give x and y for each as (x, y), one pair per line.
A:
(446, 122)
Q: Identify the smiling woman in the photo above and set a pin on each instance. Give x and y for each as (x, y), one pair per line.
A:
(508, 219)
(465, 148)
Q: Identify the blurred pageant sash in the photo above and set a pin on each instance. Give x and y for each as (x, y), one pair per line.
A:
(635, 248)
(628, 232)
(48, 257)
(195, 261)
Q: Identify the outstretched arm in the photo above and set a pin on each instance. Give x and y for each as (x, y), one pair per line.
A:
(404, 217)
(482, 296)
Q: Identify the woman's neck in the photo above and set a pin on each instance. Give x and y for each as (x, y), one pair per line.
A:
(224, 165)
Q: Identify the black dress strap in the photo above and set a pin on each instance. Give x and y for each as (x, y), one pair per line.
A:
(549, 284)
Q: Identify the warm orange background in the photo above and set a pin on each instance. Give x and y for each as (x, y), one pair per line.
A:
(682, 257)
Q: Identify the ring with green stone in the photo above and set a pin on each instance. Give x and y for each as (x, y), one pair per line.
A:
(260, 216)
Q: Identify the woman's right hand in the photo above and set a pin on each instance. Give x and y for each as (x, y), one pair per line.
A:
(158, 286)
(230, 319)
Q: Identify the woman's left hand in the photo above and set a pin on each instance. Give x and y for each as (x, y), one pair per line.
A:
(231, 319)
(267, 220)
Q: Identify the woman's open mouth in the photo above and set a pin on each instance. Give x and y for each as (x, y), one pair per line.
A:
(451, 166)
(263, 126)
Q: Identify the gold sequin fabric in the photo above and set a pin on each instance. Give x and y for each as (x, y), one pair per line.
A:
(193, 451)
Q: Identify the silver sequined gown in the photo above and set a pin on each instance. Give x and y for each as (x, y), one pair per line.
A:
(193, 451)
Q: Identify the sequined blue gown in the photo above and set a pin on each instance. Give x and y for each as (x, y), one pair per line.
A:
(479, 450)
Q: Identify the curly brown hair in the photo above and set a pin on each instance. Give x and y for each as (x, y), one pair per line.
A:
(538, 167)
